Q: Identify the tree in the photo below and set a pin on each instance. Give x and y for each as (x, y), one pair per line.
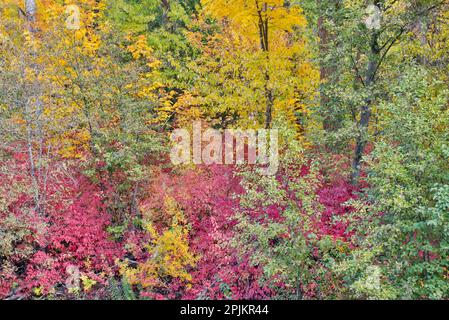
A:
(365, 50)
(257, 58)
(405, 228)
(289, 225)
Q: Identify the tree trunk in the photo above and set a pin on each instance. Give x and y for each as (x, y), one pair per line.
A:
(328, 71)
(263, 35)
(33, 109)
(365, 111)
(30, 10)
(269, 103)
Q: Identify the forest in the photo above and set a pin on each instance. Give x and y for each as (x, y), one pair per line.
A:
(224, 149)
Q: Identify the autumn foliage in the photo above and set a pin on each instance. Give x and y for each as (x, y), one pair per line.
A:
(92, 207)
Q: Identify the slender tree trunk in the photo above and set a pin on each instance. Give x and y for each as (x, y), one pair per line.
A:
(298, 287)
(30, 149)
(33, 109)
(269, 102)
(165, 10)
(264, 41)
(365, 111)
(374, 61)
(328, 70)
(421, 34)
(30, 10)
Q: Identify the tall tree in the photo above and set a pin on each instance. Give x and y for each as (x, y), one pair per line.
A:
(255, 63)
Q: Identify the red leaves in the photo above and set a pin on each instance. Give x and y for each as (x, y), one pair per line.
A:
(80, 228)
(72, 234)
(76, 235)
(333, 197)
(206, 197)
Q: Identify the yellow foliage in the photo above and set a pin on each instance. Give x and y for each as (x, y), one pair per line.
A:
(245, 15)
(141, 50)
(87, 283)
(37, 291)
(187, 108)
(237, 75)
(169, 252)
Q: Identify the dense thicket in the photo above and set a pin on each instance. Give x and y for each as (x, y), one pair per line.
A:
(92, 207)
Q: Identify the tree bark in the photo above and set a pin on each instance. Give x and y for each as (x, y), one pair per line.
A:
(365, 112)
(263, 35)
(328, 72)
(33, 109)
(30, 10)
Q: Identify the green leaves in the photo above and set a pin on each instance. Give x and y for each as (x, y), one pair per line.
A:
(408, 184)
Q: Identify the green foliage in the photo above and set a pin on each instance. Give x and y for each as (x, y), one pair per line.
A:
(121, 290)
(164, 23)
(407, 241)
(288, 246)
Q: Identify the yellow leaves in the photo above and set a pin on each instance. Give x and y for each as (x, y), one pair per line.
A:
(440, 40)
(237, 74)
(8, 9)
(90, 42)
(130, 274)
(30, 41)
(72, 145)
(171, 254)
(245, 15)
(146, 90)
(141, 50)
(173, 209)
(147, 87)
(38, 291)
(186, 109)
(87, 283)
(169, 251)
(285, 19)
(153, 63)
(150, 229)
(66, 70)
(4, 39)
(429, 41)
(3, 107)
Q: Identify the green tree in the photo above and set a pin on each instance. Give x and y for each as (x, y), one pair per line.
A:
(405, 234)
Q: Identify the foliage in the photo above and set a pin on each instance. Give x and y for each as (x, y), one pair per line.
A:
(92, 208)
(409, 184)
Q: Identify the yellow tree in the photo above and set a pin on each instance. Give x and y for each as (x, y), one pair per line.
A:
(34, 37)
(25, 84)
(256, 66)
(75, 87)
(170, 256)
(108, 84)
